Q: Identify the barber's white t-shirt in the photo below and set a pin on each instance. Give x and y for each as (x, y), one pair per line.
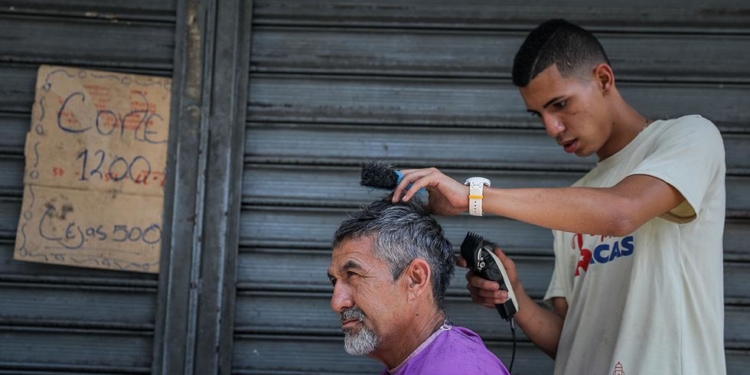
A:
(651, 302)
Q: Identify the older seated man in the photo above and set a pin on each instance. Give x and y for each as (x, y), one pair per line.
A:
(390, 268)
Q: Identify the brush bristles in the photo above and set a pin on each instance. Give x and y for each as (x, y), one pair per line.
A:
(471, 242)
(379, 175)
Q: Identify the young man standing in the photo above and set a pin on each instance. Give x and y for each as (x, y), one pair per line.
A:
(638, 279)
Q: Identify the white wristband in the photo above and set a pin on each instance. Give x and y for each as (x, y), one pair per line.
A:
(476, 188)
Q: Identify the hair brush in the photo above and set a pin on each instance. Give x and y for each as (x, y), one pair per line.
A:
(380, 175)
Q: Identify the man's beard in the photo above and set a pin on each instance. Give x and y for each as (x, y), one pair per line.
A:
(362, 342)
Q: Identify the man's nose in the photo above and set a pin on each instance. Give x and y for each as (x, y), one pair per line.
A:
(553, 125)
(341, 298)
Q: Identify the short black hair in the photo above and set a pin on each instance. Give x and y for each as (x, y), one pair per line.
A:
(559, 42)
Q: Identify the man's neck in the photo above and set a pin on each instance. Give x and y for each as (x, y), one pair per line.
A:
(398, 349)
(628, 124)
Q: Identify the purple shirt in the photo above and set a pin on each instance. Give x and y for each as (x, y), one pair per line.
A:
(451, 350)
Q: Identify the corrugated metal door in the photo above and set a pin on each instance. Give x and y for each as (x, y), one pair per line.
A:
(427, 83)
(62, 319)
(333, 83)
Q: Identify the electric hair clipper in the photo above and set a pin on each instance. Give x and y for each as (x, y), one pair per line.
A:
(481, 260)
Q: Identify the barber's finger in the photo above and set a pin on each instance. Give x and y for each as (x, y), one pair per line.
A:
(461, 262)
(409, 176)
(488, 294)
(425, 179)
(410, 171)
(501, 255)
(482, 297)
(481, 283)
(495, 292)
(488, 301)
(508, 264)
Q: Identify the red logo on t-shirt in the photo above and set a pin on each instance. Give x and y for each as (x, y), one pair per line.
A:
(618, 369)
(585, 259)
(604, 249)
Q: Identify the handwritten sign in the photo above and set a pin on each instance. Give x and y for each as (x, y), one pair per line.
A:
(95, 170)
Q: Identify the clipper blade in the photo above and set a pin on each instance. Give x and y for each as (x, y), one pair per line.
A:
(469, 247)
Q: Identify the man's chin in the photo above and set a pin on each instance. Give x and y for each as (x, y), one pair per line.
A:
(360, 341)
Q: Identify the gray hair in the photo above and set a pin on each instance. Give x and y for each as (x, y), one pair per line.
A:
(403, 232)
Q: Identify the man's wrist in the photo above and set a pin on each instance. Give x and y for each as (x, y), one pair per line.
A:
(476, 194)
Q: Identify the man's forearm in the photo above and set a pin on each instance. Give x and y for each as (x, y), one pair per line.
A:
(614, 211)
(541, 326)
(575, 210)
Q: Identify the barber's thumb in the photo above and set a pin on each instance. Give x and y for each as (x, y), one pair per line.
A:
(503, 258)
(461, 262)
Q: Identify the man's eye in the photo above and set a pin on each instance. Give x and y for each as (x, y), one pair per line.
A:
(333, 281)
(350, 274)
(561, 104)
(534, 114)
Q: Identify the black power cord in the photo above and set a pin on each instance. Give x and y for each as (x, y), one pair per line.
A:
(513, 334)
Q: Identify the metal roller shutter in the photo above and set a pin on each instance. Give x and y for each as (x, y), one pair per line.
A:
(332, 83)
(53, 319)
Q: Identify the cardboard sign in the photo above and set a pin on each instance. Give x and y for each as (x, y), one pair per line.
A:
(95, 170)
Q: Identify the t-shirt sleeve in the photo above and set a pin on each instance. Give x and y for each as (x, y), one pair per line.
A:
(554, 289)
(561, 274)
(688, 155)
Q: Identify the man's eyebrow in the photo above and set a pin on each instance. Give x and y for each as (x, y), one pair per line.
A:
(347, 266)
(351, 265)
(552, 101)
(545, 104)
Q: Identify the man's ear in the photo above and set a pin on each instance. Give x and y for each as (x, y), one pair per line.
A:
(418, 276)
(604, 77)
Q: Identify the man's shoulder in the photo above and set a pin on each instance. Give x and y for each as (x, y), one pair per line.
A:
(687, 138)
(465, 336)
(462, 349)
(690, 125)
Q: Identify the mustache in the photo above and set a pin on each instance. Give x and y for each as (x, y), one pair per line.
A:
(352, 313)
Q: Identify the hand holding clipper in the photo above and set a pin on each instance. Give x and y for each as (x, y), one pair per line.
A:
(481, 260)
